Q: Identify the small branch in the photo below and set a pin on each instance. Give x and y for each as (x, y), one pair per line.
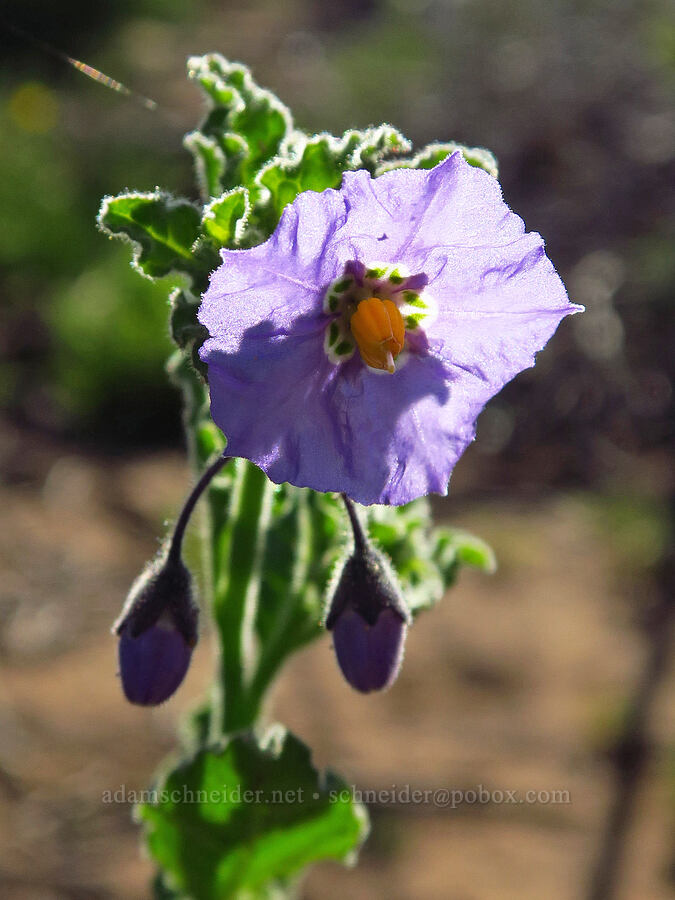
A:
(179, 531)
(631, 752)
(360, 540)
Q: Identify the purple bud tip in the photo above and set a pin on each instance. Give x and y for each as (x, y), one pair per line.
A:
(153, 664)
(369, 655)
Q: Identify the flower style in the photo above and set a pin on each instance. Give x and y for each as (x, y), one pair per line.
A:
(354, 350)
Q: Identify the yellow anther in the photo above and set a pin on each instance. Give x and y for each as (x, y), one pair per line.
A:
(379, 331)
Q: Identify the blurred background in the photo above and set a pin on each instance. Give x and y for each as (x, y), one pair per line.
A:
(551, 675)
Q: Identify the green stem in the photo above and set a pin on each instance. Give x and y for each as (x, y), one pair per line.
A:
(236, 582)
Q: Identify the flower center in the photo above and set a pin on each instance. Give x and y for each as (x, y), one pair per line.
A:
(379, 331)
(377, 309)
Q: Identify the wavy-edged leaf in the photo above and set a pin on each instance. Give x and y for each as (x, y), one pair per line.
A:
(319, 162)
(455, 548)
(243, 818)
(209, 160)
(427, 558)
(163, 231)
(245, 123)
(435, 153)
(318, 165)
(376, 145)
(225, 218)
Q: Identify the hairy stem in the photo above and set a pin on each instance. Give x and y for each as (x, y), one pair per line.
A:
(360, 540)
(179, 531)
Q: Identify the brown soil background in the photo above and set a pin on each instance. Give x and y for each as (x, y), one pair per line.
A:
(514, 682)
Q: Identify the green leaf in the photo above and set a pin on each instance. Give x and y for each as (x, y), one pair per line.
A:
(243, 818)
(474, 552)
(427, 559)
(163, 231)
(209, 162)
(376, 145)
(405, 534)
(319, 162)
(245, 126)
(225, 218)
(455, 548)
(319, 165)
(435, 153)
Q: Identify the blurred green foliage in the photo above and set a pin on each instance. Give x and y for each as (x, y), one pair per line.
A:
(85, 339)
(575, 100)
(637, 528)
(110, 338)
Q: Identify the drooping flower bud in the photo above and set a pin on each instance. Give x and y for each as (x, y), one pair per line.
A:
(368, 616)
(157, 631)
(158, 624)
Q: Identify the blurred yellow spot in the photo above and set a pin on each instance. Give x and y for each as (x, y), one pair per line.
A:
(33, 107)
(379, 331)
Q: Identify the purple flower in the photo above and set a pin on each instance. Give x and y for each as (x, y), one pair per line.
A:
(369, 655)
(157, 632)
(153, 664)
(354, 350)
(367, 614)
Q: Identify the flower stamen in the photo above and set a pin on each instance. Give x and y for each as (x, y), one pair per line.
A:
(379, 331)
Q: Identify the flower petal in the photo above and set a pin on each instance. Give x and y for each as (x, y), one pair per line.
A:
(301, 419)
(280, 281)
(153, 665)
(369, 655)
